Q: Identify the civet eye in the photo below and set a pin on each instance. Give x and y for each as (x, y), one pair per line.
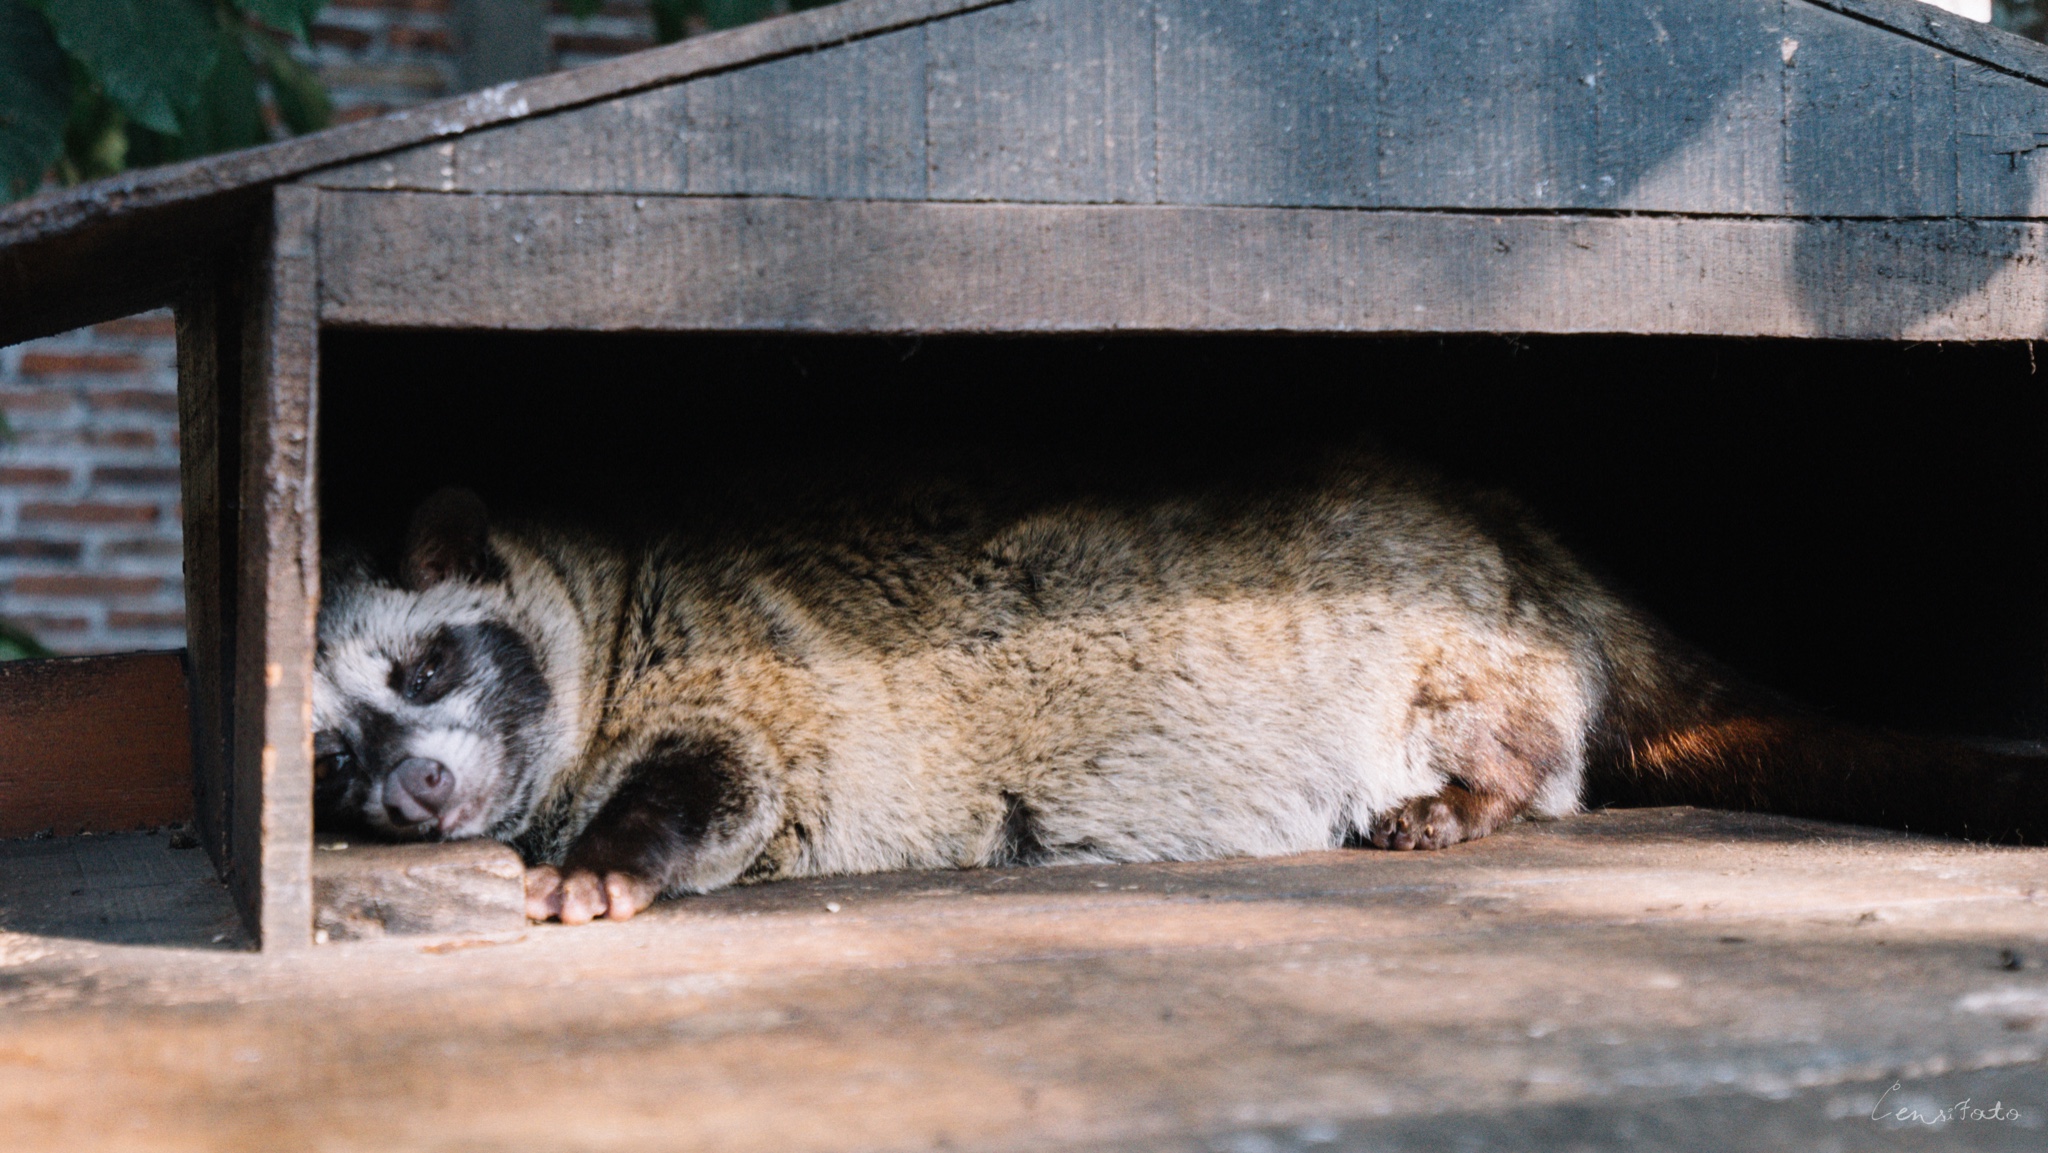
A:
(421, 676)
(331, 756)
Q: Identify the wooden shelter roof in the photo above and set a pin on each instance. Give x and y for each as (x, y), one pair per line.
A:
(1830, 110)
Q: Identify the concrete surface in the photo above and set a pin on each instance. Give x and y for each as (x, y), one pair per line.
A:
(1663, 979)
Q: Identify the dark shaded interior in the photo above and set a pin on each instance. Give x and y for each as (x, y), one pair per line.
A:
(1859, 525)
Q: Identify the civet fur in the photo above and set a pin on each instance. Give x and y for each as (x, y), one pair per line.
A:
(1374, 658)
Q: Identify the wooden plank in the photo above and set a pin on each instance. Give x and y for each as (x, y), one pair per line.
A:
(1870, 120)
(363, 891)
(847, 121)
(94, 744)
(1579, 104)
(2001, 144)
(119, 245)
(278, 590)
(209, 466)
(764, 264)
(1267, 103)
(1620, 982)
(1050, 100)
(1487, 107)
(1690, 106)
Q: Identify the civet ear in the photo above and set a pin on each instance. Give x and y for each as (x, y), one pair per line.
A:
(450, 539)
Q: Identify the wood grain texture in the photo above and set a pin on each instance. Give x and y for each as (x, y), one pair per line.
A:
(1689, 107)
(278, 594)
(1870, 120)
(209, 463)
(845, 122)
(126, 243)
(94, 744)
(1049, 100)
(363, 891)
(762, 264)
(1616, 982)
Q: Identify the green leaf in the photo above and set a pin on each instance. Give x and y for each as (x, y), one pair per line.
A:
(17, 645)
(149, 56)
(301, 100)
(226, 112)
(671, 20)
(35, 99)
(293, 16)
(733, 13)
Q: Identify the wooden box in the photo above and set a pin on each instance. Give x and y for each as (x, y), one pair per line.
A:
(1807, 170)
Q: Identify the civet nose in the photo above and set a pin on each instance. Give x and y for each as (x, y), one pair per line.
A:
(417, 790)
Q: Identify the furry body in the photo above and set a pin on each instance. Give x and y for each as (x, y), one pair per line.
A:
(1371, 657)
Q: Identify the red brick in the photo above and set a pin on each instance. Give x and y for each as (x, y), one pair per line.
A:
(404, 36)
(142, 548)
(346, 39)
(97, 363)
(85, 585)
(360, 112)
(138, 326)
(34, 400)
(41, 626)
(26, 549)
(133, 474)
(24, 475)
(88, 512)
(121, 437)
(132, 620)
(599, 45)
(134, 400)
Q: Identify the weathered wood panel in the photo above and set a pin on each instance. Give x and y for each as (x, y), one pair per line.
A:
(93, 744)
(1726, 107)
(209, 463)
(1268, 103)
(1050, 100)
(1871, 119)
(847, 122)
(1689, 107)
(123, 244)
(624, 263)
(630, 142)
(1663, 981)
(278, 586)
(2001, 165)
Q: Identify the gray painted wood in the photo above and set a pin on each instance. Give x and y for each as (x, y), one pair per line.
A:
(1487, 105)
(278, 585)
(1046, 100)
(844, 122)
(633, 142)
(1870, 120)
(1727, 107)
(1690, 107)
(2001, 144)
(1270, 102)
(609, 263)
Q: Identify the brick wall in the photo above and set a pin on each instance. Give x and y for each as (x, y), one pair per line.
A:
(90, 552)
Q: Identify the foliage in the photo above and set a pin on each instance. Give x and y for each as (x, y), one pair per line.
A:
(16, 645)
(90, 87)
(2026, 17)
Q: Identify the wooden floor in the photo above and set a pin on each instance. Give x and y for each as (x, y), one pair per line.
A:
(1652, 980)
